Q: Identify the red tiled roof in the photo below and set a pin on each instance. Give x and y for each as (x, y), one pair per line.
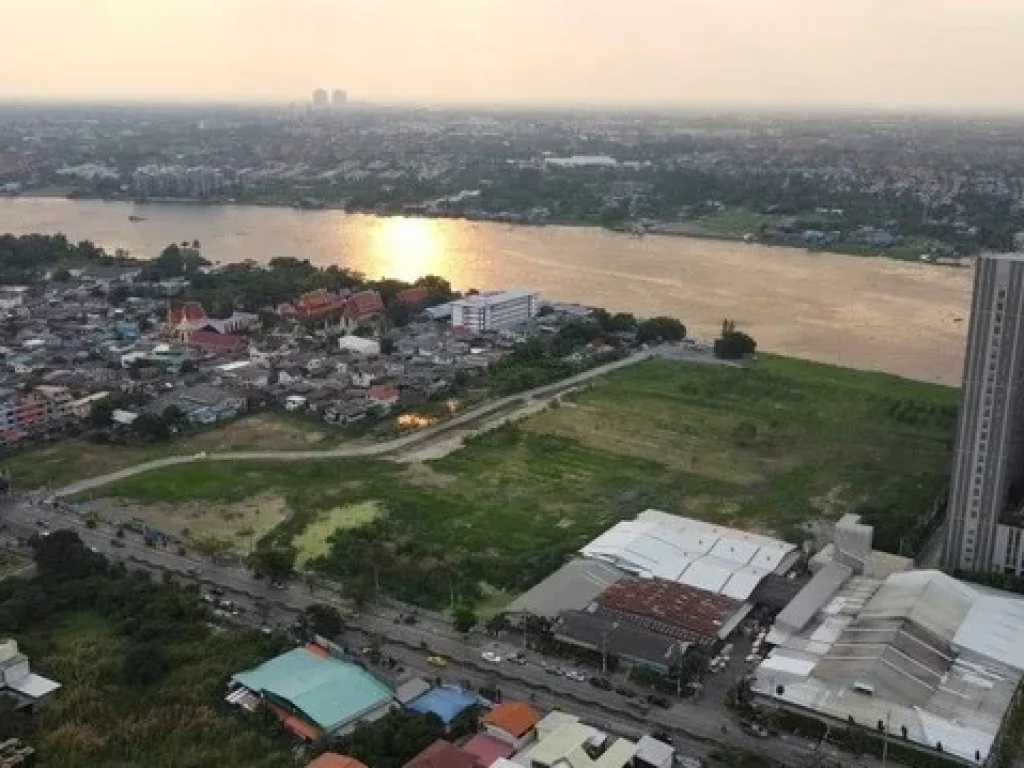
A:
(487, 749)
(334, 760)
(516, 718)
(670, 605)
(443, 754)
(319, 303)
(412, 295)
(296, 725)
(363, 305)
(211, 341)
(383, 392)
(190, 311)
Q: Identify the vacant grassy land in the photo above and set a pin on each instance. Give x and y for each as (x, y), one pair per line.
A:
(11, 562)
(766, 448)
(63, 462)
(793, 441)
(99, 718)
(313, 541)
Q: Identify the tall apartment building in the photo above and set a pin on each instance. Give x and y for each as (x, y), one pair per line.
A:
(320, 98)
(494, 311)
(986, 502)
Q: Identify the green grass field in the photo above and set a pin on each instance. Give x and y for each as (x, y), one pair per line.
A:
(57, 464)
(767, 448)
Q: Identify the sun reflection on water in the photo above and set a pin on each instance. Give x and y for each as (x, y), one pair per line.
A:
(406, 249)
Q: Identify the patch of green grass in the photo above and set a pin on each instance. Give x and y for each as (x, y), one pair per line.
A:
(314, 540)
(737, 222)
(57, 464)
(11, 562)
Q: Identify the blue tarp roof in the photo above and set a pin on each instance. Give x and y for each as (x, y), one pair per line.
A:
(328, 691)
(445, 702)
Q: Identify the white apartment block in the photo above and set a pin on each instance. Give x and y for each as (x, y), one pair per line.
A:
(494, 311)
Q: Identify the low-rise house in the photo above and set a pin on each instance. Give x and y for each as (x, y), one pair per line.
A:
(443, 754)
(359, 345)
(513, 722)
(385, 396)
(212, 342)
(202, 404)
(17, 681)
(347, 411)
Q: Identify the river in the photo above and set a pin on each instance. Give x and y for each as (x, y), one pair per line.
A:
(878, 314)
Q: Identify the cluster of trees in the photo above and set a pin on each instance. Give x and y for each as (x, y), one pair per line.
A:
(148, 427)
(24, 258)
(175, 261)
(132, 651)
(733, 344)
(392, 741)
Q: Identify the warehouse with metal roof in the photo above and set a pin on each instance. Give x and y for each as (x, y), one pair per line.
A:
(710, 557)
(329, 694)
(918, 650)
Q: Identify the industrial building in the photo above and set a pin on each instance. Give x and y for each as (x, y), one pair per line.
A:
(913, 654)
(722, 560)
(494, 311)
(18, 681)
(986, 505)
(312, 692)
(648, 589)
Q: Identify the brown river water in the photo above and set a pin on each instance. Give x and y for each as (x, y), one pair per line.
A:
(881, 314)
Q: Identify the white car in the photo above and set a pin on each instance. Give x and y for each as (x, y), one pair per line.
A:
(575, 674)
(490, 656)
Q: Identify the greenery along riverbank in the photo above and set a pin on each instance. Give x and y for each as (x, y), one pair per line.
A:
(768, 448)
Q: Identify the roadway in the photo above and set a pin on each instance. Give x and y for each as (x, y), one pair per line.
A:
(696, 726)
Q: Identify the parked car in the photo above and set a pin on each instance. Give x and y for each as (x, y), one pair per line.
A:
(437, 661)
(490, 656)
(117, 543)
(622, 690)
(754, 729)
(601, 683)
(575, 674)
(659, 701)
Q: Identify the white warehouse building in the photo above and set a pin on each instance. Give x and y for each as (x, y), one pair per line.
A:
(494, 311)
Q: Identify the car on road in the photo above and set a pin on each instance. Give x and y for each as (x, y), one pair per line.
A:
(193, 572)
(279, 585)
(490, 656)
(437, 661)
(575, 674)
(601, 683)
(754, 729)
(659, 701)
(117, 543)
(622, 690)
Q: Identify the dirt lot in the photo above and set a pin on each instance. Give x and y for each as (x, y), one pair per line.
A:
(236, 524)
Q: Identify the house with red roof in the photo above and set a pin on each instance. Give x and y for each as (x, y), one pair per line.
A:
(443, 754)
(384, 395)
(362, 308)
(411, 297)
(512, 722)
(216, 343)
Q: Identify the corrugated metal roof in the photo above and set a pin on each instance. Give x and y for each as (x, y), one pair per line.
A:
(328, 691)
(571, 588)
(812, 598)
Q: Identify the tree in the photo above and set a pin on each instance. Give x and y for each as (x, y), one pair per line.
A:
(61, 275)
(660, 329)
(151, 427)
(101, 414)
(463, 618)
(145, 664)
(173, 416)
(324, 620)
(275, 562)
(63, 554)
(734, 346)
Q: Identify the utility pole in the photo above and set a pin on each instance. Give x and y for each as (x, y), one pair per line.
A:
(885, 738)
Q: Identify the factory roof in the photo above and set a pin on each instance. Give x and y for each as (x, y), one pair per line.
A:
(327, 691)
(692, 552)
(599, 630)
(572, 587)
(676, 609)
(921, 650)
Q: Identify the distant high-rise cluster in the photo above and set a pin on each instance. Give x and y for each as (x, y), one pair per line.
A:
(178, 181)
(335, 98)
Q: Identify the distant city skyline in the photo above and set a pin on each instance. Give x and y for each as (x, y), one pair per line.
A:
(914, 55)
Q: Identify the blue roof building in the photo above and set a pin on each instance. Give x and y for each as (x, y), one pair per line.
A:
(447, 702)
(327, 693)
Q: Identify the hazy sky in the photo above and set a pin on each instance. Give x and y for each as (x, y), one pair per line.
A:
(936, 54)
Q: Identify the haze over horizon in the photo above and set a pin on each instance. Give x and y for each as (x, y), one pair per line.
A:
(928, 55)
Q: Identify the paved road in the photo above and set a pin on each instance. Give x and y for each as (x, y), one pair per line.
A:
(521, 401)
(696, 726)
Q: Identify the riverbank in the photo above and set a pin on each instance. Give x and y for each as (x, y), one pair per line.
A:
(912, 250)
